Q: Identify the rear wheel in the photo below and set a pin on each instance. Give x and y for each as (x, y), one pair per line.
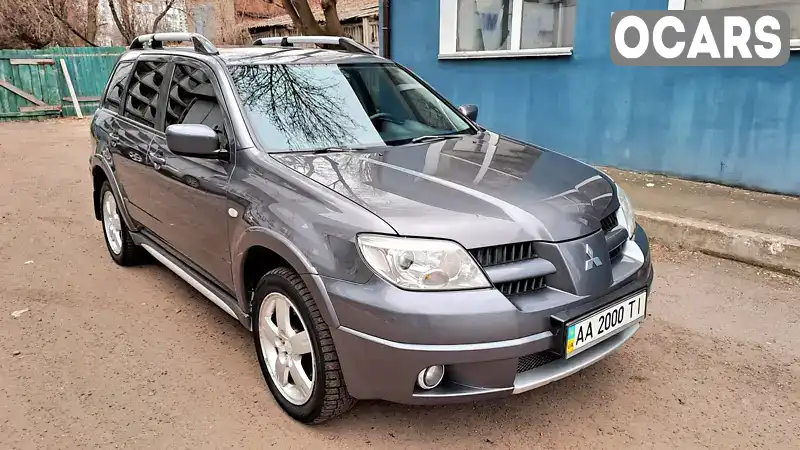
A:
(296, 351)
(118, 240)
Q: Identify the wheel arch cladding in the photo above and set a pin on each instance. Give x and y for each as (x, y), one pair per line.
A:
(259, 248)
(258, 261)
(98, 178)
(100, 170)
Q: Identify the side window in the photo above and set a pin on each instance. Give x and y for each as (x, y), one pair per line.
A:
(143, 92)
(192, 100)
(117, 86)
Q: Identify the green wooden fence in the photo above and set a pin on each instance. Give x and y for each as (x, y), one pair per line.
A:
(32, 83)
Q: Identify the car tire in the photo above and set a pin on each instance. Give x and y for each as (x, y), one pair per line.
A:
(328, 396)
(118, 239)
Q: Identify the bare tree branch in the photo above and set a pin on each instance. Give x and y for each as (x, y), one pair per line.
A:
(123, 30)
(300, 103)
(131, 22)
(74, 31)
(161, 16)
(59, 12)
(39, 23)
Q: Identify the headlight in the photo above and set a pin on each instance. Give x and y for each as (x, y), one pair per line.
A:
(625, 214)
(421, 264)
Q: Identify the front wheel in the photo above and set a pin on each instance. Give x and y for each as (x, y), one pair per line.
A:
(296, 351)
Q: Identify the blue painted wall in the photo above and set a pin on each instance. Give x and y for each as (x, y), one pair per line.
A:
(738, 126)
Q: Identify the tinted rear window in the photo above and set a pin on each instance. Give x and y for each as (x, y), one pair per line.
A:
(117, 86)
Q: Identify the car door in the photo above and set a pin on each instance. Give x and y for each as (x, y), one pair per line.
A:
(127, 125)
(189, 194)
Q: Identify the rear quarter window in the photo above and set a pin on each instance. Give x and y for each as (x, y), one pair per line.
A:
(116, 88)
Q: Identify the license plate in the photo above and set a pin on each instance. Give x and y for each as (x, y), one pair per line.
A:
(589, 331)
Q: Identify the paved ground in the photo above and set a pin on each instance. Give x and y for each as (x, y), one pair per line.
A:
(734, 208)
(135, 358)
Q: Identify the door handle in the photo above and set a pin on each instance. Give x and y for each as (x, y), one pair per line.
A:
(157, 158)
(114, 139)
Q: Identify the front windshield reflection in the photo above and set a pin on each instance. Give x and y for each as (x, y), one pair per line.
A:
(297, 107)
(311, 106)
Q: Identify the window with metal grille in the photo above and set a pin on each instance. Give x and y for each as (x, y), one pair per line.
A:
(192, 100)
(117, 86)
(143, 92)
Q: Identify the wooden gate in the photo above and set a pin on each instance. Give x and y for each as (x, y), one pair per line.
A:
(28, 87)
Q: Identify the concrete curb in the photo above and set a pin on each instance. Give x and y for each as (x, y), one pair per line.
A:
(779, 253)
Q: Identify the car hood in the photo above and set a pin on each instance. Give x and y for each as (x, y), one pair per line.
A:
(479, 190)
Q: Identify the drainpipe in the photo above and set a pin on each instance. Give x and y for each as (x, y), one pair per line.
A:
(385, 24)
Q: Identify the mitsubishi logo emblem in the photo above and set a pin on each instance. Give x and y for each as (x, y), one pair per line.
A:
(593, 261)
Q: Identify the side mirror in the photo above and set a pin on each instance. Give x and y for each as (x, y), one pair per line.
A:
(471, 111)
(194, 140)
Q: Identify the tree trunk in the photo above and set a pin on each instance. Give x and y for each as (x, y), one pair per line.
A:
(305, 17)
(333, 25)
(91, 20)
(292, 13)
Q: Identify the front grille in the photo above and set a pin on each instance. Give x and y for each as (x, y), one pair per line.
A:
(503, 254)
(517, 287)
(530, 362)
(609, 222)
(615, 252)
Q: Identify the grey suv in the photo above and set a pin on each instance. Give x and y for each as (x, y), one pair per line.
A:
(376, 240)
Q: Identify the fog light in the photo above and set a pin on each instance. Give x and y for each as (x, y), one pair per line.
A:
(431, 377)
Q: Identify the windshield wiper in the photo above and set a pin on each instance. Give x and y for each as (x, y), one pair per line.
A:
(436, 137)
(334, 149)
(324, 150)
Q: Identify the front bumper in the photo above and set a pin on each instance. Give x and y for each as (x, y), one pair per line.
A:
(479, 372)
(386, 338)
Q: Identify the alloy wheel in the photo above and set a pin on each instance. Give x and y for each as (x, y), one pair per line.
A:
(112, 223)
(286, 347)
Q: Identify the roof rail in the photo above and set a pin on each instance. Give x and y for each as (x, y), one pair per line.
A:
(200, 42)
(346, 44)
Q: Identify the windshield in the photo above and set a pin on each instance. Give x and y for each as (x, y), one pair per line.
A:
(316, 106)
